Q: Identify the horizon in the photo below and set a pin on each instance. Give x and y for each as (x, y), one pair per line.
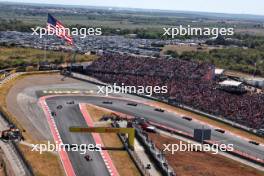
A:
(95, 3)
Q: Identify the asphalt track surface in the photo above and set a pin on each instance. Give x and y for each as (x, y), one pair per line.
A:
(70, 115)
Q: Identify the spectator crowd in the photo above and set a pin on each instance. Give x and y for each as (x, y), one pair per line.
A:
(188, 83)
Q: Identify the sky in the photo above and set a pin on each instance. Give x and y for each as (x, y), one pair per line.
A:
(222, 6)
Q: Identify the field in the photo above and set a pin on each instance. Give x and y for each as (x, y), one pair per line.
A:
(13, 57)
(117, 18)
(187, 48)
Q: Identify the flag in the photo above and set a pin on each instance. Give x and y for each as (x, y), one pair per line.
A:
(54, 26)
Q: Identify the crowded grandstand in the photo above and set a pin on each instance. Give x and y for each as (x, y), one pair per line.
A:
(189, 83)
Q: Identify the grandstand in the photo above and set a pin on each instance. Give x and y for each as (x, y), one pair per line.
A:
(189, 83)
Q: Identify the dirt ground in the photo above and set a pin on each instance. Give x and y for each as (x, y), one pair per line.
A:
(202, 163)
(45, 164)
(121, 159)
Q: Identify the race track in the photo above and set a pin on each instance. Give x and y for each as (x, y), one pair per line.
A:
(70, 115)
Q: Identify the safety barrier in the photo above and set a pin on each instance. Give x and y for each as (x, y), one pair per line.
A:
(132, 154)
(13, 74)
(27, 167)
(6, 165)
(154, 152)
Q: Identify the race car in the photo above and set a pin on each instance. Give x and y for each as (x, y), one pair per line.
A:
(88, 158)
(159, 109)
(70, 102)
(59, 107)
